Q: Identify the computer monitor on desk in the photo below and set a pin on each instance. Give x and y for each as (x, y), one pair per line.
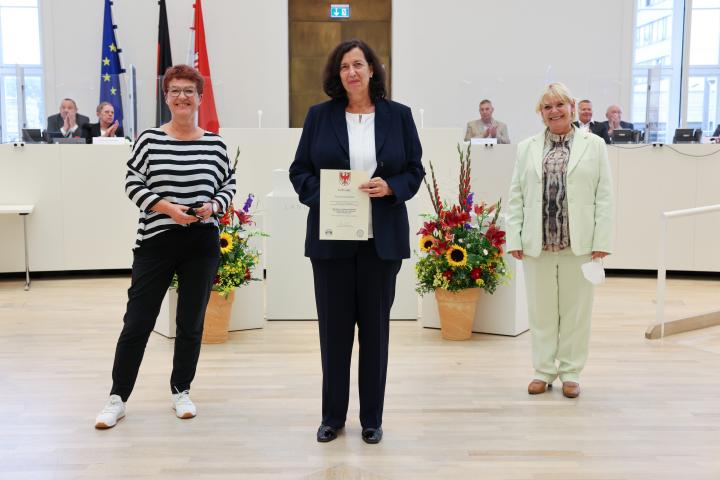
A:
(623, 136)
(57, 137)
(50, 136)
(687, 135)
(32, 135)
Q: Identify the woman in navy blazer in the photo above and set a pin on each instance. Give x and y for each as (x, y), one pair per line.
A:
(355, 280)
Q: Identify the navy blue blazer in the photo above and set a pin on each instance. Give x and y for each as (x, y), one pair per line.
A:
(324, 145)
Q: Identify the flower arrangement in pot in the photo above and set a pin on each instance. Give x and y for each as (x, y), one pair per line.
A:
(461, 248)
(238, 260)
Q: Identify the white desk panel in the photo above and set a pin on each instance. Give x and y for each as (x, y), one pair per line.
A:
(707, 227)
(96, 212)
(262, 150)
(32, 175)
(83, 220)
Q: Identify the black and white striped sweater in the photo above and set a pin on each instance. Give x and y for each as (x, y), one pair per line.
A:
(179, 171)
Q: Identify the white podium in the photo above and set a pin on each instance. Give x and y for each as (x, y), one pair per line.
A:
(290, 290)
(502, 313)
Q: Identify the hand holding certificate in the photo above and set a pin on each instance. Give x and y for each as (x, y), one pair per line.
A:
(344, 208)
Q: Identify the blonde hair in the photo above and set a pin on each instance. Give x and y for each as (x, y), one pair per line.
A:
(556, 92)
(101, 105)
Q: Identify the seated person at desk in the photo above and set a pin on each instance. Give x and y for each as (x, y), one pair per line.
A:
(68, 123)
(614, 120)
(107, 126)
(585, 121)
(486, 126)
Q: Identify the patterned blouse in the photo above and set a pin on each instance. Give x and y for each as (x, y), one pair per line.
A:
(556, 234)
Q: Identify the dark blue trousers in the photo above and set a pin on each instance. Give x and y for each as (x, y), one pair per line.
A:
(359, 290)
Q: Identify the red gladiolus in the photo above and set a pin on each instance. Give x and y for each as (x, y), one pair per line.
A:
(448, 274)
(428, 228)
(475, 273)
(440, 248)
(479, 209)
(243, 217)
(247, 274)
(225, 220)
(495, 236)
(455, 217)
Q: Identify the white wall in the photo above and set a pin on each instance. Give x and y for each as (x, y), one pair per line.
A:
(246, 40)
(446, 55)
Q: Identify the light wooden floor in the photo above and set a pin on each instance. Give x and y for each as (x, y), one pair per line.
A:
(454, 410)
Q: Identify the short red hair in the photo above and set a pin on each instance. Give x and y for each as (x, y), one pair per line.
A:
(183, 72)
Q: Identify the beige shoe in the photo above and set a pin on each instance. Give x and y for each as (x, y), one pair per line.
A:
(571, 389)
(538, 386)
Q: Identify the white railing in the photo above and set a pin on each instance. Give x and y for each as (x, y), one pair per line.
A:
(662, 262)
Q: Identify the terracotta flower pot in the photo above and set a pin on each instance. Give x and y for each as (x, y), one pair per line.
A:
(457, 312)
(217, 318)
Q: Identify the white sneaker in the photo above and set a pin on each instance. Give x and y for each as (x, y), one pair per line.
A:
(183, 406)
(113, 411)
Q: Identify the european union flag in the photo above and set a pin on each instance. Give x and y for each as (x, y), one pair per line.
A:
(110, 68)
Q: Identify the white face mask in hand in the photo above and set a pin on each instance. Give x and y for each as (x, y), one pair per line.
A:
(593, 271)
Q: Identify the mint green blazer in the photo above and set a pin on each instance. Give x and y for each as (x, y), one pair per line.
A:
(589, 196)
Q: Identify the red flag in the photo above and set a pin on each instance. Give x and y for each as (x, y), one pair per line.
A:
(207, 115)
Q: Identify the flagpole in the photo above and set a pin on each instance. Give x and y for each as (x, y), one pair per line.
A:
(191, 41)
(111, 78)
(121, 78)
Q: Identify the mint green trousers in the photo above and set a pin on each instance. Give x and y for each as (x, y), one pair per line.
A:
(559, 311)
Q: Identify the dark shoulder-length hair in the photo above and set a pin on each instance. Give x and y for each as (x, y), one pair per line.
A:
(332, 85)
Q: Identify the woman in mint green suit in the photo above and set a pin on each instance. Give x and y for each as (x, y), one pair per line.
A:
(560, 215)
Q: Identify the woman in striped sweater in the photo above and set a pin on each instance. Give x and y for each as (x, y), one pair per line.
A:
(172, 168)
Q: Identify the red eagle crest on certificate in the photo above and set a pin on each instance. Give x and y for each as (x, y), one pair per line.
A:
(344, 178)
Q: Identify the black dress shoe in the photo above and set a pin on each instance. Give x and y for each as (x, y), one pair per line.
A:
(327, 433)
(372, 435)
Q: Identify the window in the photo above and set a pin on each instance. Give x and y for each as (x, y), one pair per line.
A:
(21, 85)
(653, 32)
(659, 41)
(704, 67)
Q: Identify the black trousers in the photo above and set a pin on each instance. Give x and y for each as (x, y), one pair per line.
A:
(191, 252)
(358, 290)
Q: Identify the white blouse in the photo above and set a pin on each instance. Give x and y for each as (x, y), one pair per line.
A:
(361, 142)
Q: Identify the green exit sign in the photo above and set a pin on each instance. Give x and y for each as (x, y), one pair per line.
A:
(340, 10)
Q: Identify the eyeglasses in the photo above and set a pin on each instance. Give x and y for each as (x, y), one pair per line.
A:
(175, 92)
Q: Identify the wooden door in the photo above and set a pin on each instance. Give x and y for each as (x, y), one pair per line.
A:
(313, 35)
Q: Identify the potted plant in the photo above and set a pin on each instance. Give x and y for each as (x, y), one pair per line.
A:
(461, 249)
(237, 261)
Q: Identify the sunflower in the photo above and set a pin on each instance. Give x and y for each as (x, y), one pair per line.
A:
(456, 256)
(226, 242)
(427, 242)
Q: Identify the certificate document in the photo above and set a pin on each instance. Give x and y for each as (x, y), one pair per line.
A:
(344, 209)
